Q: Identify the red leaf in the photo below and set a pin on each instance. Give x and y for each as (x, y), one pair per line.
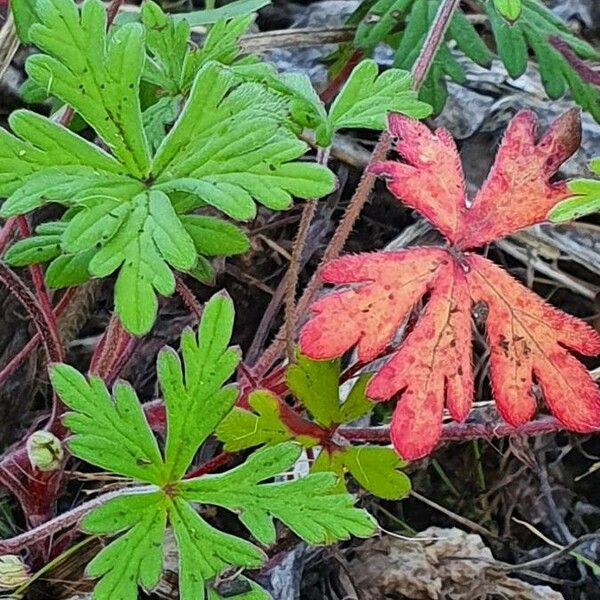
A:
(529, 340)
(517, 192)
(432, 365)
(431, 178)
(369, 315)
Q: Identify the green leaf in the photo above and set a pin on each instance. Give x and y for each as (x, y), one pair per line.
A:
(32, 250)
(215, 237)
(367, 97)
(306, 108)
(310, 507)
(230, 10)
(24, 15)
(99, 78)
(510, 43)
(113, 435)
(195, 398)
(356, 404)
(150, 238)
(509, 9)
(585, 198)
(167, 44)
(377, 470)
(316, 384)
(204, 551)
(220, 147)
(144, 516)
(242, 429)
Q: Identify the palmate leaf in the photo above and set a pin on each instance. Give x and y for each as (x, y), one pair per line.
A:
(517, 26)
(230, 153)
(113, 434)
(432, 366)
(231, 146)
(316, 385)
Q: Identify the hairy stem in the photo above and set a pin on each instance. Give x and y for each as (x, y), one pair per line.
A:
(454, 432)
(33, 343)
(187, 297)
(67, 519)
(29, 302)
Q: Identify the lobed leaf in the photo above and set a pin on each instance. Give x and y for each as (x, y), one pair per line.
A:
(115, 436)
(310, 507)
(430, 367)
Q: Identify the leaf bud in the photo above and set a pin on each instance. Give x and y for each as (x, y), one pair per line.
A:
(44, 450)
(13, 572)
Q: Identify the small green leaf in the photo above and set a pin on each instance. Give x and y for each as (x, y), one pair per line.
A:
(510, 43)
(509, 9)
(585, 200)
(167, 44)
(316, 384)
(367, 97)
(242, 429)
(377, 470)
